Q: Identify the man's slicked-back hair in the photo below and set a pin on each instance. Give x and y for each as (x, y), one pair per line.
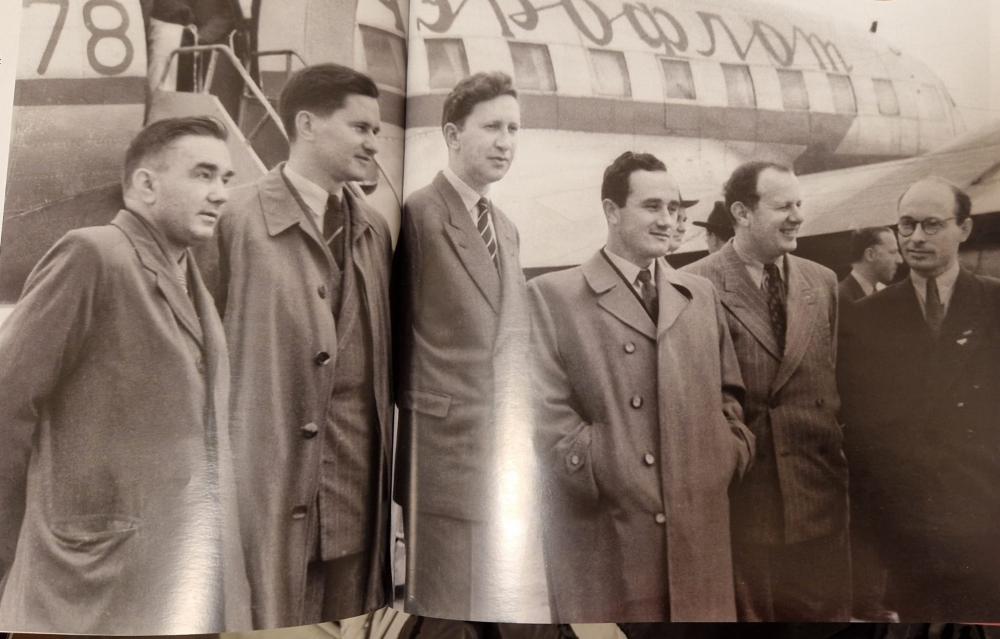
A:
(321, 89)
(864, 239)
(742, 184)
(963, 203)
(157, 136)
(470, 91)
(615, 186)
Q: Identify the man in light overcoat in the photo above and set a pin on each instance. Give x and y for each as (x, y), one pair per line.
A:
(639, 421)
(302, 279)
(114, 361)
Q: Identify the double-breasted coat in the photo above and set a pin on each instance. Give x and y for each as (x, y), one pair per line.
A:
(272, 278)
(130, 524)
(639, 436)
(797, 488)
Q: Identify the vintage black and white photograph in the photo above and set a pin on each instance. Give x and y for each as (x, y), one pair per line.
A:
(513, 315)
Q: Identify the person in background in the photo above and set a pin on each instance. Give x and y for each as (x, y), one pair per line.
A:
(874, 260)
(718, 227)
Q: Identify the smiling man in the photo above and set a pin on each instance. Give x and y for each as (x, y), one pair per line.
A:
(115, 378)
(790, 512)
(638, 419)
(303, 286)
(920, 376)
(459, 293)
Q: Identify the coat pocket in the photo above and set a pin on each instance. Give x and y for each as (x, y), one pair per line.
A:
(426, 402)
(94, 536)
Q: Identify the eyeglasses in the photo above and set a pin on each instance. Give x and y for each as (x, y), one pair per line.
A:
(930, 225)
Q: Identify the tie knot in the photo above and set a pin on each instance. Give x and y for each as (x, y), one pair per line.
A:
(644, 277)
(332, 203)
(483, 206)
(771, 270)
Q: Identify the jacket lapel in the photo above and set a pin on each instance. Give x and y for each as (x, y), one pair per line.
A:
(962, 329)
(468, 244)
(615, 296)
(800, 313)
(746, 301)
(153, 259)
(673, 296)
(283, 210)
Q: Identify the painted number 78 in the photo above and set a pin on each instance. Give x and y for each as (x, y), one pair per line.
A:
(97, 34)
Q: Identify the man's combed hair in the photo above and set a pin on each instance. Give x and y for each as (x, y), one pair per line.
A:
(864, 239)
(963, 203)
(157, 136)
(321, 89)
(479, 87)
(615, 186)
(742, 184)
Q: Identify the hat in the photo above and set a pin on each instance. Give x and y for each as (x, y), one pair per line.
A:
(719, 222)
(686, 203)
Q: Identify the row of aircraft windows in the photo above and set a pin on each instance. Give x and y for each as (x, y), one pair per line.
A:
(448, 63)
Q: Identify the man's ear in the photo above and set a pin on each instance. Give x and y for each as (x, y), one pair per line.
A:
(740, 214)
(304, 121)
(966, 227)
(451, 131)
(145, 184)
(610, 211)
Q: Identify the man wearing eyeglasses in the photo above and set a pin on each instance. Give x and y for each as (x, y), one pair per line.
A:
(920, 379)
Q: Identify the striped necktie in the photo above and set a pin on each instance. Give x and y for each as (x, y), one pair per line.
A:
(333, 228)
(647, 289)
(486, 230)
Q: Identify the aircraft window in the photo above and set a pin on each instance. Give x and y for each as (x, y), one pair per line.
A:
(447, 62)
(739, 85)
(931, 107)
(794, 96)
(678, 81)
(888, 103)
(532, 67)
(610, 73)
(386, 56)
(844, 100)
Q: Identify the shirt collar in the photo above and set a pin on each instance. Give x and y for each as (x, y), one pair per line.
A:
(627, 268)
(756, 268)
(470, 196)
(314, 195)
(866, 286)
(945, 283)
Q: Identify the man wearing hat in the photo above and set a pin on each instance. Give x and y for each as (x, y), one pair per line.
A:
(718, 227)
(638, 418)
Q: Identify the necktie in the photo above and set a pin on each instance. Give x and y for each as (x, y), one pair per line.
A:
(486, 231)
(775, 302)
(648, 290)
(333, 228)
(933, 308)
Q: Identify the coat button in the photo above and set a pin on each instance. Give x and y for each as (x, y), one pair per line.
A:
(322, 291)
(629, 347)
(309, 430)
(636, 401)
(820, 403)
(660, 518)
(299, 512)
(648, 459)
(574, 460)
(322, 358)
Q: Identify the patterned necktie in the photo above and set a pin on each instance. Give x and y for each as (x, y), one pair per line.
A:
(775, 302)
(486, 231)
(933, 308)
(648, 291)
(333, 228)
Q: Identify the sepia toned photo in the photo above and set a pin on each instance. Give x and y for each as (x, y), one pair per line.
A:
(514, 316)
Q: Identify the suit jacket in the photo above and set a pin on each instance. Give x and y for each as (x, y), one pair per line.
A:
(797, 489)
(458, 320)
(639, 437)
(273, 276)
(849, 290)
(921, 413)
(130, 523)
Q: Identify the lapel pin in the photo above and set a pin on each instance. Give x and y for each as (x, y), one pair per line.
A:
(967, 332)
(961, 341)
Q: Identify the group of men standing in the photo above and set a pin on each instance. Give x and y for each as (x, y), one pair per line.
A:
(689, 433)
